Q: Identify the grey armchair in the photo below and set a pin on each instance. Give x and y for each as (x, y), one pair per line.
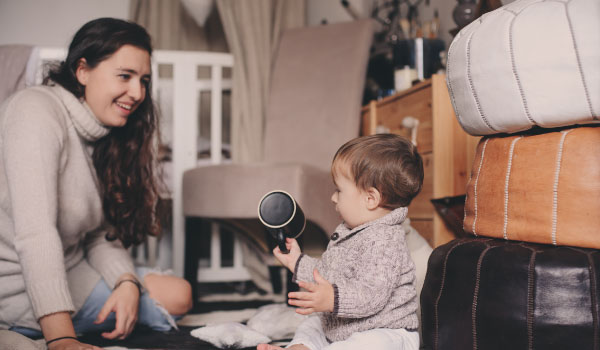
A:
(314, 107)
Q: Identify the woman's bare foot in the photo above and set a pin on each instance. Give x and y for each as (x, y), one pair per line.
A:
(273, 347)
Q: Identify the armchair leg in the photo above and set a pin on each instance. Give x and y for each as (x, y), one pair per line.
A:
(193, 229)
(275, 276)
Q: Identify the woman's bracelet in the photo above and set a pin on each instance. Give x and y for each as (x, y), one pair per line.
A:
(137, 284)
(59, 338)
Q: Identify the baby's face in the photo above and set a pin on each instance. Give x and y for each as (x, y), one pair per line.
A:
(350, 201)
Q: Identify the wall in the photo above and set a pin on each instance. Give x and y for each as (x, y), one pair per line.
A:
(52, 22)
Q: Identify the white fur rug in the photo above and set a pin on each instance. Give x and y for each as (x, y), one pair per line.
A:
(247, 327)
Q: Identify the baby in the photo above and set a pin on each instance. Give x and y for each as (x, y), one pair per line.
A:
(363, 287)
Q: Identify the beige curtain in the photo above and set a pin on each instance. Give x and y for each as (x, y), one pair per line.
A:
(172, 28)
(253, 29)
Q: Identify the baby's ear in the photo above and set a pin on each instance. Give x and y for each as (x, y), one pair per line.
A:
(373, 198)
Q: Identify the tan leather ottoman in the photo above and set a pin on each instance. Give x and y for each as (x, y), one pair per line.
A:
(542, 188)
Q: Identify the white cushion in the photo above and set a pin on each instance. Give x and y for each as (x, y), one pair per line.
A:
(276, 321)
(230, 335)
(528, 63)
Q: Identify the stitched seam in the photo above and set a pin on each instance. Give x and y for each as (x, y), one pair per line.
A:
(555, 185)
(466, 196)
(523, 9)
(506, 182)
(514, 70)
(593, 291)
(579, 67)
(437, 300)
(476, 295)
(465, 211)
(530, 299)
(477, 182)
(450, 88)
(473, 92)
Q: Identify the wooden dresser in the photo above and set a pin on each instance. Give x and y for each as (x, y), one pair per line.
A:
(446, 149)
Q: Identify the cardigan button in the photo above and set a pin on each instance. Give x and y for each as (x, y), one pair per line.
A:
(335, 236)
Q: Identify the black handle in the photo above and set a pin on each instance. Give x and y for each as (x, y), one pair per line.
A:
(281, 242)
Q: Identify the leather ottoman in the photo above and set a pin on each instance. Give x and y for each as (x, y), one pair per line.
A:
(537, 187)
(527, 63)
(485, 293)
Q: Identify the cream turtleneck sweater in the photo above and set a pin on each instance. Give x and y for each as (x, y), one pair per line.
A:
(52, 245)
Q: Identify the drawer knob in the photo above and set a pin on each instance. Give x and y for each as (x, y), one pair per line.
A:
(412, 123)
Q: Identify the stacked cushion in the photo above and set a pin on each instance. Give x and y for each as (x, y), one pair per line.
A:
(528, 63)
(484, 293)
(531, 69)
(527, 76)
(542, 188)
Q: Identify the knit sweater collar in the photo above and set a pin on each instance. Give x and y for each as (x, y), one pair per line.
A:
(84, 120)
(395, 217)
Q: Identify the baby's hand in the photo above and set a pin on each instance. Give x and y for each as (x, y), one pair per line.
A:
(318, 298)
(288, 260)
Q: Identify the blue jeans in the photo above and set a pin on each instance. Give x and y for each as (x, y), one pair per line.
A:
(150, 314)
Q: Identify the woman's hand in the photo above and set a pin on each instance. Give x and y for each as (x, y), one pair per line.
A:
(288, 260)
(124, 302)
(71, 344)
(318, 297)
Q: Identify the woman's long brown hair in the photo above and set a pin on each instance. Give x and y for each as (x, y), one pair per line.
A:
(125, 158)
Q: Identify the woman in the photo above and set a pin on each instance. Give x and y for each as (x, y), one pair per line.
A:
(77, 186)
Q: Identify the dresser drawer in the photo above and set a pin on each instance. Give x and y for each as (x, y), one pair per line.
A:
(417, 104)
(428, 102)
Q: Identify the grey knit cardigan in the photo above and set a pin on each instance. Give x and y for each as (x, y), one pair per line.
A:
(372, 274)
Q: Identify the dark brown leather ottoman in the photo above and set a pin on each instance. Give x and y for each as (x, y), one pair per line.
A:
(484, 293)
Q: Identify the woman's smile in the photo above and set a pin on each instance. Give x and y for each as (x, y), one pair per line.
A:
(116, 87)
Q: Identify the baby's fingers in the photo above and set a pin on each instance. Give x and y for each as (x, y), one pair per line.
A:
(307, 311)
(291, 243)
(300, 296)
(300, 303)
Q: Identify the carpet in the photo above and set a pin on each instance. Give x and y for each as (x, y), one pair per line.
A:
(211, 309)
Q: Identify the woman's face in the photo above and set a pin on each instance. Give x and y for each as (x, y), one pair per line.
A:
(116, 86)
